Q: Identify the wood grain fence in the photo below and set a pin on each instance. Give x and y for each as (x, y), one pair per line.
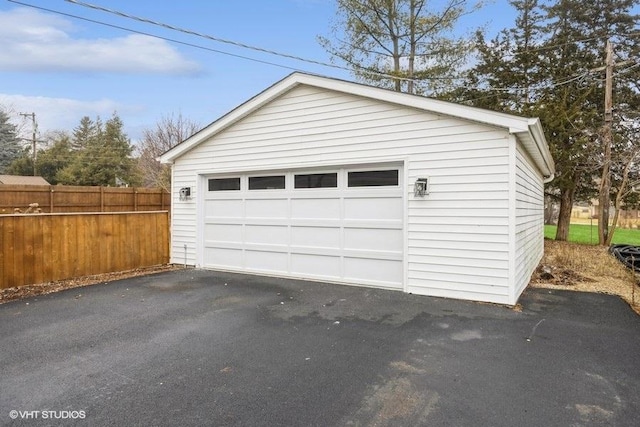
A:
(63, 198)
(46, 247)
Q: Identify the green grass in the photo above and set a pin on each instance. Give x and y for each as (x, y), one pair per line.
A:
(588, 234)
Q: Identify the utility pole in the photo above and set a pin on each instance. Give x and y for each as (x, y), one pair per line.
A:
(604, 198)
(34, 128)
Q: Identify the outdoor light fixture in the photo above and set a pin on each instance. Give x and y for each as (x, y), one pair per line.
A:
(185, 193)
(421, 187)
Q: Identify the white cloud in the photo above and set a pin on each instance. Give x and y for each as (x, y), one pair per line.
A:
(37, 42)
(61, 113)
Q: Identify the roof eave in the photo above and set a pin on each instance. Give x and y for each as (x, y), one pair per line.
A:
(524, 128)
(535, 143)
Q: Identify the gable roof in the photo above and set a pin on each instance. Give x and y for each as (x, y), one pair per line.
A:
(528, 130)
(22, 180)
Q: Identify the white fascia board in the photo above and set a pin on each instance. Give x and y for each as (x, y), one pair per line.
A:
(535, 127)
(535, 143)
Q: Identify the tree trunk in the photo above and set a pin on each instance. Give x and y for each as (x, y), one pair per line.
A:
(604, 201)
(607, 138)
(619, 197)
(412, 47)
(612, 230)
(548, 210)
(564, 217)
(395, 41)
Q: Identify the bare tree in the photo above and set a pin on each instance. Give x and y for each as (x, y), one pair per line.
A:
(405, 45)
(625, 176)
(169, 131)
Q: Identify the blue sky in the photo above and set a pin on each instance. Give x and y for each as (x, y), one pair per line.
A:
(63, 68)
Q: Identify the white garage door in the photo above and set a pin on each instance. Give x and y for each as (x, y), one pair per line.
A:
(342, 224)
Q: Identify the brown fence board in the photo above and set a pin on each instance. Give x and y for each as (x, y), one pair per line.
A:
(46, 247)
(7, 249)
(67, 198)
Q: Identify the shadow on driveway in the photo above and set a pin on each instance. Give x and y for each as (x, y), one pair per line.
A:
(195, 347)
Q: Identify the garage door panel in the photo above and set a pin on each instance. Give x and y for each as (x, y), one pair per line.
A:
(315, 208)
(373, 208)
(375, 255)
(266, 261)
(266, 234)
(223, 257)
(322, 237)
(384, 272)
(223, 232)
(267, 208)
(380, 240)
(318, 266)
(229, 208)
(389, 224)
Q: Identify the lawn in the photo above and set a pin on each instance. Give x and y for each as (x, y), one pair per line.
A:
(588, 234)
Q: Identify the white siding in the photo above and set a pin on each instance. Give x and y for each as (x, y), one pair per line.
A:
(529, 231)
(458, 236)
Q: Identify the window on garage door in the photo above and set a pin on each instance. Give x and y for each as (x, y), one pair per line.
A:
(224, 184)
(316, 180)
(275, 182)
(375, 178)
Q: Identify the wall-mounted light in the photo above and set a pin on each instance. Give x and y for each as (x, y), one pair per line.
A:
(185, 193)
(421, 187)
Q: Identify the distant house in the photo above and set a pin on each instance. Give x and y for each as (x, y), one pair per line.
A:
(22, 180)
(323, 179)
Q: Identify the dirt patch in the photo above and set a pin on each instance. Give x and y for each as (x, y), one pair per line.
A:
(10, 294)
(584, 268)
(398, 401)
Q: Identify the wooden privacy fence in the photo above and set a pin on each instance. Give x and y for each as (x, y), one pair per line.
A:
(66, 198)
(46, 247)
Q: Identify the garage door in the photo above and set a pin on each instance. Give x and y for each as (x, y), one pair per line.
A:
(341, 224)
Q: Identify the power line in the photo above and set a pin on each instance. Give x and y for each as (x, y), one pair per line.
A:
(197, 34)
(289, 56)
(93, 21)
(230, 42)
(512, 52)
(628, 69)
(190, 32)
(34, 129)
(312, 61)
(285, 55)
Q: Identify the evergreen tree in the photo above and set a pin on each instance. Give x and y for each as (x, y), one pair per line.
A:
(55, 158)
(564, 106)
(104, 157)
(10, 148)
(22, 165)
(56, 155)
(508, 68)
(545, 66)
(85, 132)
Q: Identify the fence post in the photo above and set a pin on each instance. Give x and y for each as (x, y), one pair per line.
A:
(51, 191)
(161, 198)
(101, 199)
(135, 199)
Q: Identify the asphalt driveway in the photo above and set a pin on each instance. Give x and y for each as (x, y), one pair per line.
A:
(203, 348)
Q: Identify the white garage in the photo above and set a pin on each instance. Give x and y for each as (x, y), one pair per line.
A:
(323, 179)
